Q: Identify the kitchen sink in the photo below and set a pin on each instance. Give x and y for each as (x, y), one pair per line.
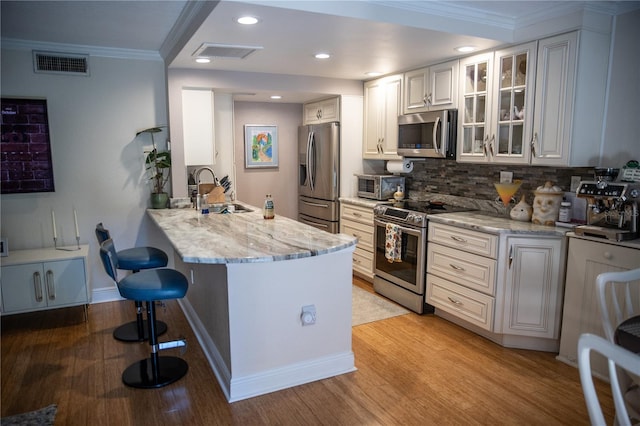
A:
(235, 208)
(238, 208)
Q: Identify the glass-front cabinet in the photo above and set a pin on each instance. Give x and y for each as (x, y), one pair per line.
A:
(475, 86)
(513, 111)
(497, 94)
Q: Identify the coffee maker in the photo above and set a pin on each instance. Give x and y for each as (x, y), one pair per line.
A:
(612, 209)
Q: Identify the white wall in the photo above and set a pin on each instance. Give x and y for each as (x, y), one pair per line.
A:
(280, 182)
(98, 165)
(622, 124)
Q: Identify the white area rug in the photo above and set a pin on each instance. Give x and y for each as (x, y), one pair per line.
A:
(368, 307)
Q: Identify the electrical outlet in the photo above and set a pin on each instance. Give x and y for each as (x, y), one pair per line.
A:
(506, 177)
(575, 182)
(308, 315)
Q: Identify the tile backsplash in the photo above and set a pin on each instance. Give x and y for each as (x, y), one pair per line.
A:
(474, 182)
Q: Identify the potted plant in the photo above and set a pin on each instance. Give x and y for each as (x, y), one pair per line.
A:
(158, 164)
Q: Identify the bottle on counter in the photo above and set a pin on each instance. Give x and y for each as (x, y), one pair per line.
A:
(268, 212)
(564, 214)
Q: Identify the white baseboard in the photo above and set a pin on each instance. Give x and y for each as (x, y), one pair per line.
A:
(105, 294)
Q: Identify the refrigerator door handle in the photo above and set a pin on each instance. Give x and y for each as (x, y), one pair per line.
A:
(311, 162)
(324, 206)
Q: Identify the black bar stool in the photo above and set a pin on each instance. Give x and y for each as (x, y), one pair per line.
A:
(135, 259)
(149, 286)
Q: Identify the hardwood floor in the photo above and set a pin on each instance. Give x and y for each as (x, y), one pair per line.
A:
(412, 370)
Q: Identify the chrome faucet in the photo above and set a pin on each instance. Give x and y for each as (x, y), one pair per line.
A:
(197, 179)
(200, 170)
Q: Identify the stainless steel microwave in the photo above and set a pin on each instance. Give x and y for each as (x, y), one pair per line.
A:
(379, 187)
(428, 134)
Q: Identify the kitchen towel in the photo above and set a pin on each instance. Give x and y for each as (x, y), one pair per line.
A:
(393, 240)
(400, 166)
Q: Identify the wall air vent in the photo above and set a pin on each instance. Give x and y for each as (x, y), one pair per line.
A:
(211, 50)
(60, 63)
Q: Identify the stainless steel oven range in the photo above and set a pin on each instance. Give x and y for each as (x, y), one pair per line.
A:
(403, 279)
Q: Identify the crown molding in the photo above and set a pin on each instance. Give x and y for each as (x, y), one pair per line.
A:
(107, 52)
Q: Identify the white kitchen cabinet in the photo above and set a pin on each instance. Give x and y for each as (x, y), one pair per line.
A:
(324, 111)
(497, 118)
(198, 127)
(570, 99)
(41, 279)
(357, 221)
(382, 105)
(506, 287)
(475, 101)
(431, 88)
(461, 273)
(534, 287)
(586, 259)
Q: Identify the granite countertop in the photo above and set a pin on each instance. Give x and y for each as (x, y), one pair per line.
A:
(484, 222)
(243, 237)
(362, 202)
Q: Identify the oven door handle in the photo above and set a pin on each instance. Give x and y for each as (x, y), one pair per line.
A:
(409, 231)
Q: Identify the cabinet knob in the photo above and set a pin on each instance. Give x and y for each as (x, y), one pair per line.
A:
(607, 255)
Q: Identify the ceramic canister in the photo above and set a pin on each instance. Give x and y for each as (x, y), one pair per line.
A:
(546, 204)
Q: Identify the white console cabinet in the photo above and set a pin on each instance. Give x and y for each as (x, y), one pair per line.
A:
(38, 279)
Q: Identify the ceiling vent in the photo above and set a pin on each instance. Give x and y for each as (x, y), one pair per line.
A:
(60, 63)
(228, 51)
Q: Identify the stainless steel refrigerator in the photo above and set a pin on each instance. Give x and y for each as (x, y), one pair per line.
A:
(319, 176)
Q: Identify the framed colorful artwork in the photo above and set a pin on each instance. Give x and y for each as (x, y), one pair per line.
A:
(260, 146)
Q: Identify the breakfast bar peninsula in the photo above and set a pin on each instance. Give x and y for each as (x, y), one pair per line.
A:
(269, 300)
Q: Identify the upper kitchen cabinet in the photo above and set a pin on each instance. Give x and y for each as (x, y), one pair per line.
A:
(475, 101)
(323, 111)
(382, 105)
(198, 127)
(571, 81)
(434, 87)
(496, 124)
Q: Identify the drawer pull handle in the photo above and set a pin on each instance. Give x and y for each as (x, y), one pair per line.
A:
(458, 239)
(37, 286)
(51, 285)
(454, 301)
(457, 268)
(356, 214)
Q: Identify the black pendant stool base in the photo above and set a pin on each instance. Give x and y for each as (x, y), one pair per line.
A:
(129, 332)
(168, 370)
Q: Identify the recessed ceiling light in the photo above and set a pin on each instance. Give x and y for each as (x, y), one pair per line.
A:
(203, 60)
(465, 49)
(276, 97)
(322, 56)
(247, 20)
(374, 74)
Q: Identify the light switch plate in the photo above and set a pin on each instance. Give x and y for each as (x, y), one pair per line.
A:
(575, 182)
(506, 177)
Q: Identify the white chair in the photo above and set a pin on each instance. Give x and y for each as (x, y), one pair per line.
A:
(615, 290)
(617, 358)
(619, 300)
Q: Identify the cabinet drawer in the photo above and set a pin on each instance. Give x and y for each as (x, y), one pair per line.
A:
(358, 214)
(469, 305)
(470, 270)
(364, 233)
(363, 261)
(464, 239)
